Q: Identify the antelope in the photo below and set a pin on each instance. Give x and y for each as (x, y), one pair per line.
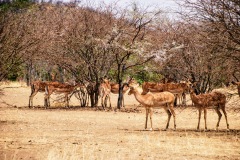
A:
(238, 86)
(37, 86)
(149, 101)
(178, 89)
(115, 88)
(104, 91)
(107, 87)
(216, 100)
(59, 88)
(152, 87)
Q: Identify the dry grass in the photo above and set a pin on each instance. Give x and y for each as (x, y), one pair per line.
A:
(83, 133)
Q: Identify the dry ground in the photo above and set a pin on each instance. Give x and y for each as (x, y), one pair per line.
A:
(84, 133)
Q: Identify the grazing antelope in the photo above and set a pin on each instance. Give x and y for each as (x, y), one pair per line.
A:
(149, 101)
(37, 86)
(214, 100)
(59, 88)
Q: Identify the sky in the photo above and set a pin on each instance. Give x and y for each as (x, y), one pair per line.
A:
(167, 5)
(163, 3)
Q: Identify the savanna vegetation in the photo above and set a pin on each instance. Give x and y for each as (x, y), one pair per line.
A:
(79, 42)
(76, 45)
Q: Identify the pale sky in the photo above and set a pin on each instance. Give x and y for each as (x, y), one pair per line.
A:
(160, 3)
(169, 5)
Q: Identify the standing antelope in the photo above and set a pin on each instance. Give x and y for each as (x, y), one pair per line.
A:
(115, 90)
(216, 100)
(178, 89)
(150, 101)
(106, 87)
(38, 86)
(152, 87)
(104, 91)
(59, 88)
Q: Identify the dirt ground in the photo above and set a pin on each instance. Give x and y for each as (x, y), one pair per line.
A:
(84, 133)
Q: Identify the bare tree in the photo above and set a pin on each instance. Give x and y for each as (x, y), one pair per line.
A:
(17, 39)
(100, 39)
(78, 43)
(198, 59)
(209, 52)
(220, 20)
(130, 42)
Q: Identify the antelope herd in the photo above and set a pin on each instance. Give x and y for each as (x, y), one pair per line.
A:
(49, 88)
(178, 89)
(153, 95)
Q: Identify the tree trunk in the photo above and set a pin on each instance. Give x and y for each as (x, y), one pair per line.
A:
(121, 69)
(61, 74)
(120, 95)
(96, 95)
(93, 94)
(92, 100)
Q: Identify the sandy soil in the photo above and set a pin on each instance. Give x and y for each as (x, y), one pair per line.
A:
(85, 133)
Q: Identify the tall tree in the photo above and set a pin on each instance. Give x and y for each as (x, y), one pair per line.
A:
(220, 19)
(15, 36)
(131, 43)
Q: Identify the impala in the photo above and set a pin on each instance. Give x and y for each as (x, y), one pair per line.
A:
(59, 88)
(38, 86)
(104, 91)
(178, 89)
(214, 100)
(149, 101)
(106, 87)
